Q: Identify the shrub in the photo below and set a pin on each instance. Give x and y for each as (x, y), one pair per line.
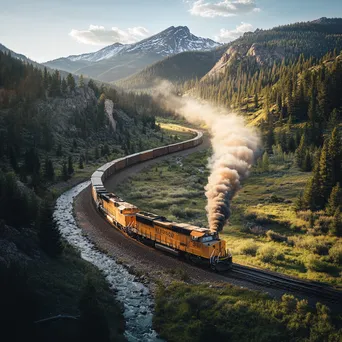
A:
(274, 199)
(269, 254)
(312, 244)
(273, 236)
(335, 254)
(322, 224)
(313, 263)
(264, 219)
(249, 248)
(250, 216)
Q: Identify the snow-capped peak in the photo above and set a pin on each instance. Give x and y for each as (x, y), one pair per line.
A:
(171, 41)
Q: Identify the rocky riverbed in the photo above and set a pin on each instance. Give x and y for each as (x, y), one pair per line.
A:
(135, 296)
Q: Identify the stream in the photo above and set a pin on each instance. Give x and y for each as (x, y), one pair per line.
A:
(135, 297)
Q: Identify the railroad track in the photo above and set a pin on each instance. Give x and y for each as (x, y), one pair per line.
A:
(277, 280)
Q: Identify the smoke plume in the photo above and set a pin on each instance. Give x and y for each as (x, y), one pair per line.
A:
(233, 144)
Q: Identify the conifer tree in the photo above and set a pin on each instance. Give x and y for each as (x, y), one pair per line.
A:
(64, 86)
(336, 224)
(256, 101)
(335, 156)
(71, 82)
(312, 192)
(80, 163)
(265, 162)
(49, 171)
(307, 163)
(59, 150)
(325, 173)
(81, 82)
(48, 233)
(65, 174)
(335, 200)
(301, 151)
(299, 204)
(55, 87)
(70, 166)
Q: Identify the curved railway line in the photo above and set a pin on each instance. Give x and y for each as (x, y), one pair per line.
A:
(240, 275)
(280, 281)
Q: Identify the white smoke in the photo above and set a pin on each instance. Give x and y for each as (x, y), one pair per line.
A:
(234, 145)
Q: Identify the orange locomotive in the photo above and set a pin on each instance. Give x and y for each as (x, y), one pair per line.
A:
(199, 245)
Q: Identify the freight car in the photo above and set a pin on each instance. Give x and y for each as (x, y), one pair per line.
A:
(197, 244)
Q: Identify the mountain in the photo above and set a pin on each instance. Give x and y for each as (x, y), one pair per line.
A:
(19, 56)
(254, 50)
(178, 68)
(265, 47)
(119, 61)
(261, 70)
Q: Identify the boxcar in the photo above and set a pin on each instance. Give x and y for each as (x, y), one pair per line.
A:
(120, 164)
(176, 147)
(160, 151)
(146, 155)
(133, 159)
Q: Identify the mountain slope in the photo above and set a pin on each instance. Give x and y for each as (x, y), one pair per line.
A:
(119, 61)
(264, 47)
(19, 56)
(176, 69)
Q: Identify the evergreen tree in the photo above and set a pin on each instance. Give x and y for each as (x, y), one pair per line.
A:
(55, 87)
(59, 151)
(307, 163)
(335, 200)
(81, 82)
(299, 204)
(48, 233)
(256, 101)
(71, 82)
(335, 156)
(65, 174)
(49, 171)
(32, 161)
(301, 151)
(97, 155)
(45, 79)
(265, 162)
(336, 224)
(80, 163)
(64, 86)
(312, 193)
(325, 173)
(70, 166)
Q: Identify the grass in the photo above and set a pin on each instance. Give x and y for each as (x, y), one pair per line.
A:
(228, 313)
(263, 220)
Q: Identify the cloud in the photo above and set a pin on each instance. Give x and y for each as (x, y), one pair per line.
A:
(226, 36)
(99, 35)
(225, 8)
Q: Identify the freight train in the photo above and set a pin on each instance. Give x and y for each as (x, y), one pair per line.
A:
(199, 245)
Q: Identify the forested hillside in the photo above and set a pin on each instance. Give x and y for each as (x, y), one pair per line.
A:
(52, 129)
(176, 69)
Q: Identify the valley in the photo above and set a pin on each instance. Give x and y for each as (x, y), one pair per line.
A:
(270, 101)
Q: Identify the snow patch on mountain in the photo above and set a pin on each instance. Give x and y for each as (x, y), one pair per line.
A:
(171, 41)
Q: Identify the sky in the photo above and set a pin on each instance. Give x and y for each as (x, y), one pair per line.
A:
(47, 29)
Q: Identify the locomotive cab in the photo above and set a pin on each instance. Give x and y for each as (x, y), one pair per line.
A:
(213, 248)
